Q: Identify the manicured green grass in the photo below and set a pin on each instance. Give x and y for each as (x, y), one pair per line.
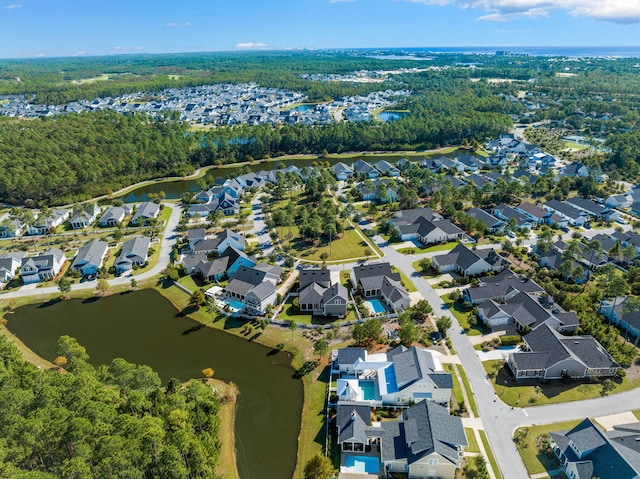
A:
(636, 413)
(471, 439)
(516, 394)
(492, 460)
(462, 313)
(457, 389)
(349, 246)
(408, 284)
(429, 274)
(467, 387)
(535, 462)
(289, 314)
(428, 249)
(164, 215)
(188, 282)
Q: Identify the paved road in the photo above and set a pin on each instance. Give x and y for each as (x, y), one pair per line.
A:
(259, 226)
(499, 419)
(168, 239)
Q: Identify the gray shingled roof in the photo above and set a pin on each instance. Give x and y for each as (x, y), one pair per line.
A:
(351, 355)
(91, 253)
(313, 275)
(352, 422)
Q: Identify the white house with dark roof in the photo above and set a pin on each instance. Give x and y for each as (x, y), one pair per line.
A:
(501, 287)
(535, 213)
(364, 169)
(43, 267)
(90, 257)
(468, 262)
(399, 377)
(426, 226)
(45, 224)
(10, 228)
(85, 216)
(550, 355)
(9, 264)
(567, 212)
(254, 286)
(575, 169)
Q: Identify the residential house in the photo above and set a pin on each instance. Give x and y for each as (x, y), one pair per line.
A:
(44, 267)
(403, 164)
(469, 163)
(455, 182)
(623, 313)
(496, 160)
(46, 224)
(567, 212)
(387, 169)
(527, 311)
(342, 171)
(228, 238)
(399, 377)
(134, 253)
(85, 216)
(377, 280)
(534, 212)
(501, 287)
(469, 263)
(593, 209)
(11, 228)
(9, 264)
(195, 236)
(145, 213)
(318, 296)
(425, 226)
(525, 176)
(492, 223)
(90, 257)
(621, 201)
(586, 451)
(477, 180)
(505, 213)
(550, 355)
(254, 286)
(382, 191)
(425, 442)
(364, 170)
(575, 169)
(112, 217)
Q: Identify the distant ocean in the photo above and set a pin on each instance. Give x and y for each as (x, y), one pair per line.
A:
(623, 52)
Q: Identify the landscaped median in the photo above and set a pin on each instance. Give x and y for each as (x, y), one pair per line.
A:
(428, 249)
(463, 314)
(515, 394)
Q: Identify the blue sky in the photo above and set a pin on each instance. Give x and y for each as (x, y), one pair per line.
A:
(47, 28)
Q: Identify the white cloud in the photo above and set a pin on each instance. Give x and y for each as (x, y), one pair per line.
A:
(79, 53)
(179, 25)
(619, 11)
(341, 1)
(128, 48)
(251, 46)
(13, 5)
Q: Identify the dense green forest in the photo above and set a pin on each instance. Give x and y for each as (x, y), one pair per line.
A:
(460, 97)
(114, 421)
(73, 157)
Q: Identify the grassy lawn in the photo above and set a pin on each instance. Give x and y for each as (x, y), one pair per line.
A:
(345, 276)
(471, 439)
(164, 215)
(467, 387)
(457, 389)
(636, 413)
(428, 249)
(517, 394)
(462, 313)
(535, 462)
(431, 273)
(226, 468)
(408, 284)
(492, 460)
(154, 249)
(350, 246)
(188, 282)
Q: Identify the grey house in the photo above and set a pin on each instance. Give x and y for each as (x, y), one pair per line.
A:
(550, 355)
(318, 296)
(378, 280)
(585, 451)
(134, 253)
(89, 258)
(113, 216)
(145, 213)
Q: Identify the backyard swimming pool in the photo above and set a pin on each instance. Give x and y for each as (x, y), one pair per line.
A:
(234, 304)
(362, 464)
(368, 390)
(375, 305)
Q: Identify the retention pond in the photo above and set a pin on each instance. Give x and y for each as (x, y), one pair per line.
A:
(145, 328)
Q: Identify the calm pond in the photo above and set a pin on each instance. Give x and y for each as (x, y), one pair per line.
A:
(144, 328)
(175, 189)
